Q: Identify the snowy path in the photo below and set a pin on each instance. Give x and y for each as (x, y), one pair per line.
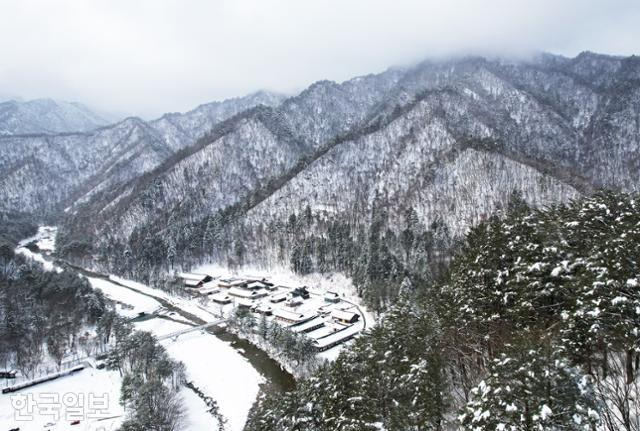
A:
(128, 303)
(45, 240)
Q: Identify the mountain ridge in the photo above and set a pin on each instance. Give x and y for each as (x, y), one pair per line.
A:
(88, 152)
(397, 140)
(525, 117)
(46, 116)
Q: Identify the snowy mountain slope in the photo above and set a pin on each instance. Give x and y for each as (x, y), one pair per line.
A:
(46, 173)
(39, 173)
(178, 128)
(176, 131)
(499, 104)
(223, 181)
(232, 163)
(451, 140)
(327, 109)
(46, 116)
(415, 162)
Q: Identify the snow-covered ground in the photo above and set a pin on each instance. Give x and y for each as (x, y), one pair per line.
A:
(316, 282)
(45, 240)
(232, 382)
(188, 305)
(128, 302)
(214, 366)
(32, 408)
(58, 412)
(280, 275)
(197, 417)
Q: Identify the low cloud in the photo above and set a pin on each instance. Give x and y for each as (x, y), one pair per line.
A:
(147, 57)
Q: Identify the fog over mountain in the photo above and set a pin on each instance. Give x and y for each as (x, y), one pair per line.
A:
(46, 116)
(150, 57)
(410, 183)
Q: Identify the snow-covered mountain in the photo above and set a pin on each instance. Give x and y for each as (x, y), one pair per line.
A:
(450, 140)
(46, 116)
(45, 173)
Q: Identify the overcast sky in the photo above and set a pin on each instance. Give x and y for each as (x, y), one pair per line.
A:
(147, 57)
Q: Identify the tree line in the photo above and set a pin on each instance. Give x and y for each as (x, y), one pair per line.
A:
(295, 350)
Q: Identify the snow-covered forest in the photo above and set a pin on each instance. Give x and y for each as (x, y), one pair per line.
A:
(446, 142)
(535, 326)
(36, 327)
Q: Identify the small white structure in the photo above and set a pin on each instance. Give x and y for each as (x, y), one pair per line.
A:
(221, 298)
(192, 283)
(209, 288)
(324, 310)
(345, 316)
(193, 276)
(338, 337)
(193, 280)
(231, 282)
(290, 316)
(280, 297)
(308, 326)
(327, 329)
(331, 297)
(255, 285)
(245, 293)
(294, 302)
(244, 303)
(262, 309)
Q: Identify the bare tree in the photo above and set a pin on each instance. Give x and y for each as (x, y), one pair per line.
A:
(620, 405)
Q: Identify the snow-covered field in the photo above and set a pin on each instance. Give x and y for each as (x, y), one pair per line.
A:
(197, 417)
(48, 403)
(214, 366)
(57, 414)
(134, 302)
(185, 304)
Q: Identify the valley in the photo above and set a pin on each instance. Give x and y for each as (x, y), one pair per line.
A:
(451, 244)
(215, 359)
